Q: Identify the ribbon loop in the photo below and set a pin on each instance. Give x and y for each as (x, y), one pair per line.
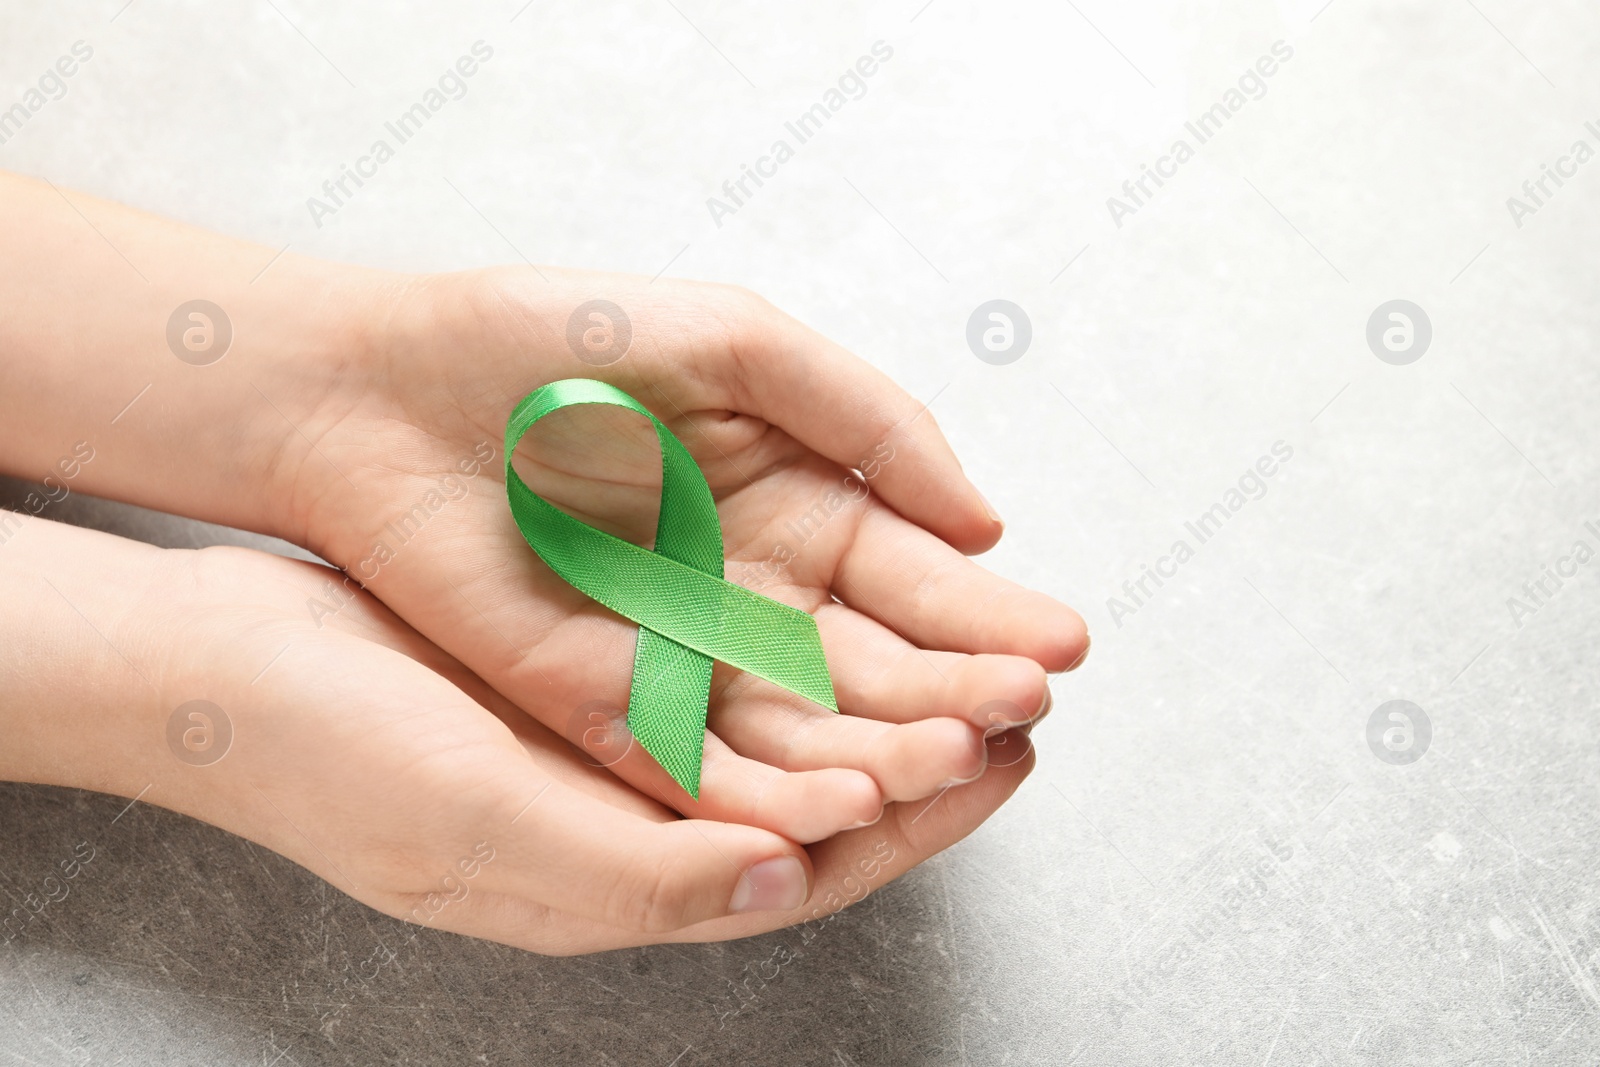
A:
(688, 614)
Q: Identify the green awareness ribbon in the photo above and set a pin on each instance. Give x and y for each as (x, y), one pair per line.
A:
(688, 615)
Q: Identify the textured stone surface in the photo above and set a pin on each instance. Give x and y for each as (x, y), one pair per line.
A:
(1210, 864)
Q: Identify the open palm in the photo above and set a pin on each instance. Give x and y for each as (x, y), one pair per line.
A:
(394, 474)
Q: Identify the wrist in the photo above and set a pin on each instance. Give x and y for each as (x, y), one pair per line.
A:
(309, 365)
(400, 406)
(80, 681)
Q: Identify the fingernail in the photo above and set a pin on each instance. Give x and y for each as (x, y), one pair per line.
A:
(771, 885)
(982, 743)
(869, 822)
(1045, 705)
(997, 722)
(988, 508)
(951, 783)
(1087, 641)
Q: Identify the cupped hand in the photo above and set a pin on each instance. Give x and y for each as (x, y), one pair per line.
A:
(366, 754)
(836, 492)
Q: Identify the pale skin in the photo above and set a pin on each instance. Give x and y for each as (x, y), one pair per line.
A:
(408, 723)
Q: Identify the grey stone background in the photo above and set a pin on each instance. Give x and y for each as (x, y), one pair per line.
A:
(1210, 864)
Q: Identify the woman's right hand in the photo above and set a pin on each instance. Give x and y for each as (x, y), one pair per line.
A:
(362, 752)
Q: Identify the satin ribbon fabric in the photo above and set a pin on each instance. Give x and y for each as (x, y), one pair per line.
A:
(687, 614)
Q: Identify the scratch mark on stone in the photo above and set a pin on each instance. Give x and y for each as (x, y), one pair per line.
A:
(1563, 954)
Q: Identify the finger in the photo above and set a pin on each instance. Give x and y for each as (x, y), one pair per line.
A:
(936, 598)
(879, 675)
(845, 409)
(556, 846)
(906, 762)
(803, 803)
